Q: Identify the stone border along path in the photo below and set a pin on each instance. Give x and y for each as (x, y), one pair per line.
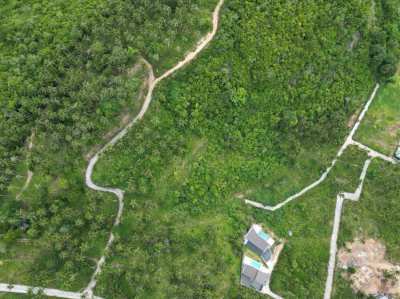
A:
(152, 83)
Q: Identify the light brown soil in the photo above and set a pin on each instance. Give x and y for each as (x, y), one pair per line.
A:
(394, 130)
(353, 119)
(373, 274)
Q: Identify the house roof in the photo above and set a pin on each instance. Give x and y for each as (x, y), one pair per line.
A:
(258, 239)
(261, 278)
(266, 256)
(254, 274)
(249, 271)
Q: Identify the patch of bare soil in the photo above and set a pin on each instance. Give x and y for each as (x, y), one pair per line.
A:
(243, 195)
(353, 119)
(369, 272)
(394, 129)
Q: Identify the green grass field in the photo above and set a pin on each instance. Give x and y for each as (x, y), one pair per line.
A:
(381, 127)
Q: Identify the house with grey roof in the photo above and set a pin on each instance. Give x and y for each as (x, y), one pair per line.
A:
(254, 274)
(259, 242)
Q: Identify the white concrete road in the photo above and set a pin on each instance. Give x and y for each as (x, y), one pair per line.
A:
(24, 289)
(336, 225)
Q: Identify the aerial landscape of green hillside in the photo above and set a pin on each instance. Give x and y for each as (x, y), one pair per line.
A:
(134, 134)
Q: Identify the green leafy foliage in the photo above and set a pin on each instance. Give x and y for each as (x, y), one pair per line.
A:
(67, 73)
(277, 84)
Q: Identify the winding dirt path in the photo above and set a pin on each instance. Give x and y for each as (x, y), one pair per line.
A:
(152, 83)
(29, 173)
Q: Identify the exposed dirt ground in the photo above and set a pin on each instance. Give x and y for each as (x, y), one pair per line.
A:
(353, 119)
(369, 272)
(393, 130)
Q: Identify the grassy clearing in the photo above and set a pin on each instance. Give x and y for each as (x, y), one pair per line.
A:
(374, 216)
(292, 176)
(381, 127)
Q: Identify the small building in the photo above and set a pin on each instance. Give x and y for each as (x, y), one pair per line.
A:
(254, 274)
(259, 242)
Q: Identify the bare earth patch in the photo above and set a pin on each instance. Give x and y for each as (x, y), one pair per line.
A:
(371, 274)
(393, 130)
(353, 119)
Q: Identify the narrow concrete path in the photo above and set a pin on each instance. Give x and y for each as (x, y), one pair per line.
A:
(348, 141)
(24, 289)
(333, 246)
(29, 175)
(336, 226)
(373, 153)
(152, 83)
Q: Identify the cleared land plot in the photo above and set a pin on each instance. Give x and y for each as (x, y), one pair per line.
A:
(375, 216)
(381, 128)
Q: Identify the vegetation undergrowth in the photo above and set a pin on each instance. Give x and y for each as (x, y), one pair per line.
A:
(225, 123)
(254, 103)
(83, 86)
